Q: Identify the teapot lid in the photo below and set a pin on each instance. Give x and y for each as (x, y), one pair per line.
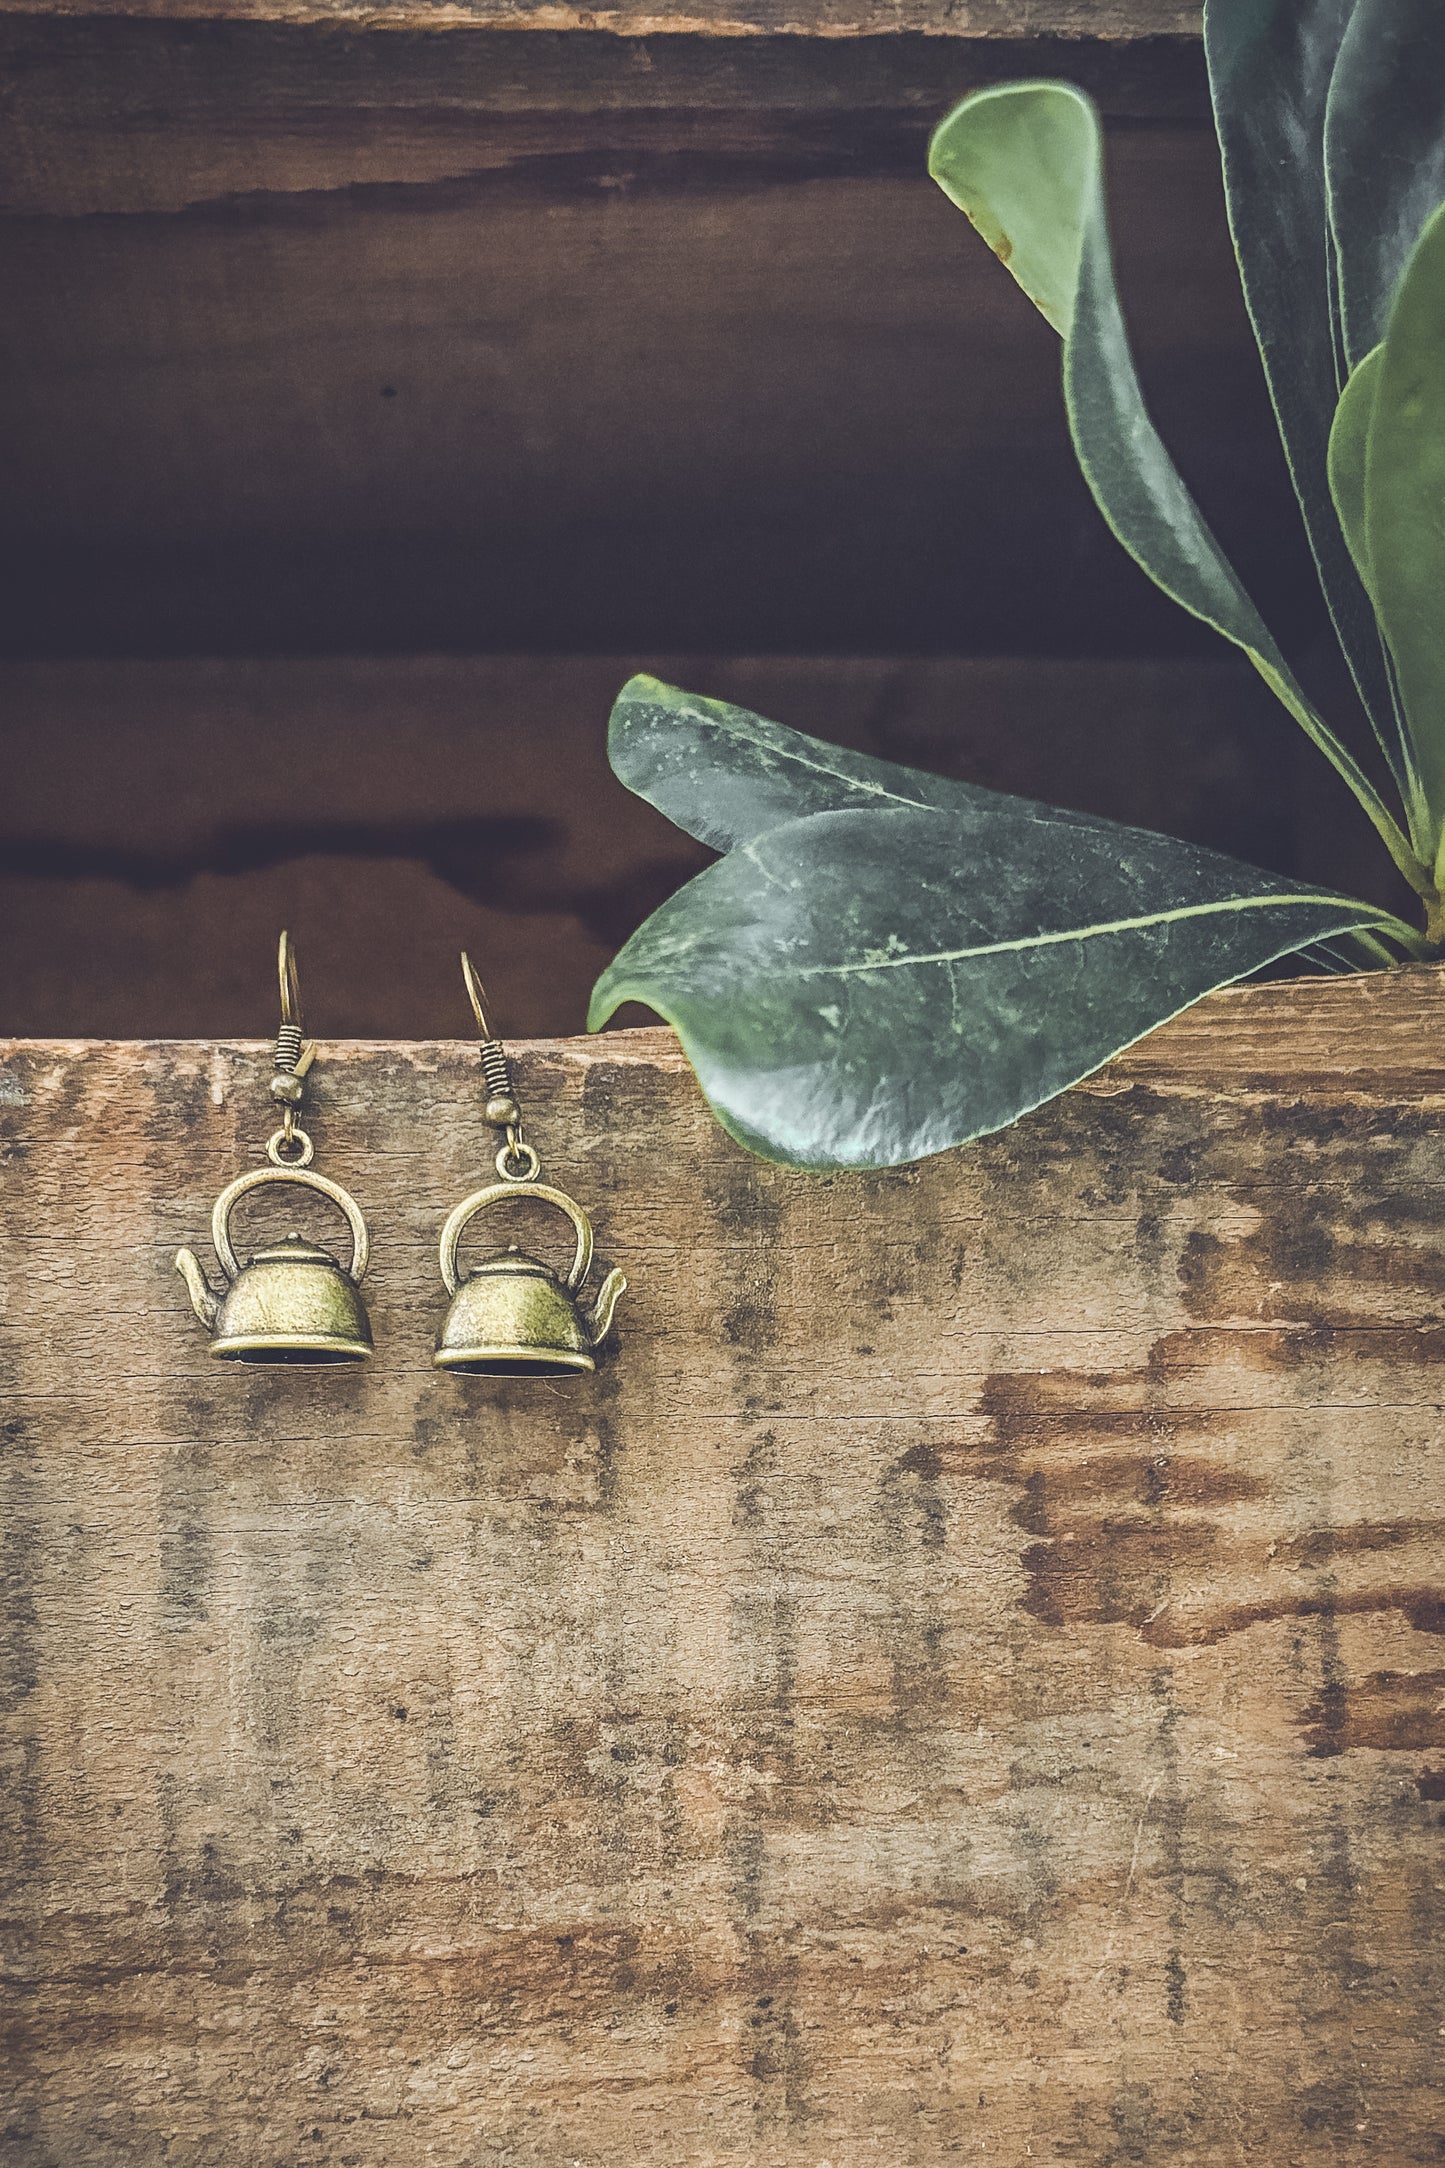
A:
(294, 1250)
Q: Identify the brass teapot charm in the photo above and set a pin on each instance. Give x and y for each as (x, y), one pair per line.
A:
(513, 1317)
(292, 1303)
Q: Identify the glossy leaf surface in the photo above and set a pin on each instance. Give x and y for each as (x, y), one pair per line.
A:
(1405, 500)
(862, 985)
(727, 775)
(1384, 155)
(1348, 444)
(1270, 68)
(1024, 164)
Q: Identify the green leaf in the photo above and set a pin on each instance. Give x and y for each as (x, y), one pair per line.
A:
(1270, 69)
(1405, 502)
(862, 986)
(1384, 154)
(1023, 162)
(727, 775)
(1348, 440)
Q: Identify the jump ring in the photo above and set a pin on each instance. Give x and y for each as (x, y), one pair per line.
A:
(302, 1150)
(508, 1157)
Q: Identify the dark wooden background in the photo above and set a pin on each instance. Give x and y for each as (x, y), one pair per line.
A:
(379, 388)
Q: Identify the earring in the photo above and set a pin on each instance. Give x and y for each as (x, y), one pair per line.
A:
(292, 1303)
(513, 1317)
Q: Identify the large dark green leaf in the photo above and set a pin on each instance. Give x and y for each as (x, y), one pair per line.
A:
(1270, 67)
(1384, 154)
(1023, 162)
(861, 986)
(727, 775)
(1405, 500)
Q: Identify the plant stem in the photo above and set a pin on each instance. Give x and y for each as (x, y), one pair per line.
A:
(1371, 945)
(1423, 947)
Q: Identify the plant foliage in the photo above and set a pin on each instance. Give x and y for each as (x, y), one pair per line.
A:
(886, 963)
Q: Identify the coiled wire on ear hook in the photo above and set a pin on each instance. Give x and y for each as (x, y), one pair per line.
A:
(293, 1059)
(516, 1161)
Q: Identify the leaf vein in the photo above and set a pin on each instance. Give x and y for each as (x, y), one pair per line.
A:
(786, 755)
(1078, 933)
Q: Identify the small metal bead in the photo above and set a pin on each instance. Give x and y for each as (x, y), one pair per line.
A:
(289, 1088)
(503, 1113)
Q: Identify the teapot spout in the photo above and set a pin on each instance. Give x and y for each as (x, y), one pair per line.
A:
(204, 1300)
(600, 1322)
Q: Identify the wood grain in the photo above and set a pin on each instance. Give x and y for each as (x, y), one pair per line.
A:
(254, 110)
(1117, 20)
(319, 341)
(965, 1680)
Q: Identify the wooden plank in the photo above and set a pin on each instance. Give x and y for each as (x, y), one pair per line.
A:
(319, 342)
(162, 820)
(1116, 20)
(1362, 1035)
(256, 108)
(964, 1680)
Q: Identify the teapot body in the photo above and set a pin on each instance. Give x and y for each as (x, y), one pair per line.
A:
(292, 1304)
(513, 1317)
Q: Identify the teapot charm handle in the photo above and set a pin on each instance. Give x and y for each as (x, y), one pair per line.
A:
(298, 1178)
(479, 1201)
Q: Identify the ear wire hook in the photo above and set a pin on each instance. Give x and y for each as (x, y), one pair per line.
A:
(293, 1058)
(516, 1161)
(477, 995)
(290, 982)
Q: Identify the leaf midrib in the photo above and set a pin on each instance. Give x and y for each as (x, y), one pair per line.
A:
(1083, 933)
(786, 755)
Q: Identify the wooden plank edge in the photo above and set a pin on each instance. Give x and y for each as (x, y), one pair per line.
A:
(1376, 1034)
(1117, 22)
(1373, 1032)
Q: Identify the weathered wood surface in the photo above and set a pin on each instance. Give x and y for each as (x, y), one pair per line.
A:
(1116, 20)
(964, 1681)
(321, 341)
(161, 820)
(256, 108)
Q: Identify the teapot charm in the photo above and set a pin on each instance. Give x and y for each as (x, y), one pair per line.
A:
(513, 1316)
(292, 1302)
